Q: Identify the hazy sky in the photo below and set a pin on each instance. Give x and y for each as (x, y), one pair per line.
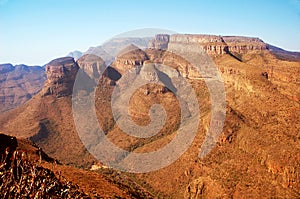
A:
(34, 32)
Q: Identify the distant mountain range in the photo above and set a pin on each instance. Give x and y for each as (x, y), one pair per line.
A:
(283, 54)
(18, 84)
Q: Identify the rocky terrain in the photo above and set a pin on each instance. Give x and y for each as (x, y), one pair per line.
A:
(211, 44)
(27, 172)
(256, 154)
(61, 74)
(18, 84)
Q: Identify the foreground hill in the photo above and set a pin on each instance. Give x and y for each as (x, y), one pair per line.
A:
(256, 154)
(26, 171)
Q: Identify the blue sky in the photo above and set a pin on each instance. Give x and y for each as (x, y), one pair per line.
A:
(34, 32)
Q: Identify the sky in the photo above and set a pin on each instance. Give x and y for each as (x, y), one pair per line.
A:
(34, 32)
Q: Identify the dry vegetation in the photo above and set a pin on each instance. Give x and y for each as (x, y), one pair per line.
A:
(23, 178)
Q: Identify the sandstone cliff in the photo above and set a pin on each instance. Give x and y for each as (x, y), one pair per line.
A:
(238, 44)
(211, 44)
(129, 58)
(61, 74)
(92, 65)
(160, 41)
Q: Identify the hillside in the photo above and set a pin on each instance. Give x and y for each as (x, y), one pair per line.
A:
(18, 84)
(26, 171)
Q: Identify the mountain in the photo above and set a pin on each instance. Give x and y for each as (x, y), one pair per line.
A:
(75, 54)
(108, 50)
(283, 54)
(256, 154)
(18, 84)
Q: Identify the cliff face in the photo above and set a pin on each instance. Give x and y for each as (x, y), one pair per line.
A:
(18, 84)
(237, 44)
(210, 44)
(130, 58)
(61, 74)
(92, 65)
(160, 41)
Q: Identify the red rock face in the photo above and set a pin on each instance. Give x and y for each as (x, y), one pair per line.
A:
(61, 74)
(211, 44)
(130, 58)
(238, 44)
(92, 65)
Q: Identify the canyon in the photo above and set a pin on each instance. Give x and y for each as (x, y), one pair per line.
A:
(256, 154)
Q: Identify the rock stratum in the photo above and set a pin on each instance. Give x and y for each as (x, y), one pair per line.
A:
(256, 154)
(210, 44)
(61, 74)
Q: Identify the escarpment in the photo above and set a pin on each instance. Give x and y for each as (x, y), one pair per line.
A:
(238, 44)
(210, 44)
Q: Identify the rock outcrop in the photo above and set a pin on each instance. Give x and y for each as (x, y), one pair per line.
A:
(18, 84)
(61, 74)
(100, 52)
(92, 65)
(238, 44)
(210, 44)
(160, 41)
(204, 187)
(130, 58)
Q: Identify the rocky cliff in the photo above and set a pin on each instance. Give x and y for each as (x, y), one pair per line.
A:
(160, 41)
(61, 74)
(129, 58)
(92, 65)
(238, 44)
(18, 84)
(211, 44)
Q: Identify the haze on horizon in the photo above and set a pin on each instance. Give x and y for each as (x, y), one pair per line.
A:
(35, 32)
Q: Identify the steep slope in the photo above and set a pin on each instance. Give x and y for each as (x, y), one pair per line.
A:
(26, 171)
(47, 118)
(257, 152)
(18, 84)
(21, 177)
